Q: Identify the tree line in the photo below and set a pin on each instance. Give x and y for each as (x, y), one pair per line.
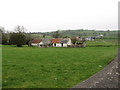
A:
(18, 37)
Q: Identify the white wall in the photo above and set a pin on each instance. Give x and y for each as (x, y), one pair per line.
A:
(34, 44)
(69, 42)
(41, 43)
(64, 45)
(57, 45)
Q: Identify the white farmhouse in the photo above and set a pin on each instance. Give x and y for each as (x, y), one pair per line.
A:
(45, 43)
(56, 42)
(35, 42)
(61, 42)
(66, 42)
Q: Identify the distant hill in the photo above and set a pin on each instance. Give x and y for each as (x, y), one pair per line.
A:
(79, 32)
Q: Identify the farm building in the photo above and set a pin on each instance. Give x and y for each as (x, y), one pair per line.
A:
(45, 43)
(100, 36)
(56, 42)
(35, 42)
(66, 42)
(61, 42)
(91, 38)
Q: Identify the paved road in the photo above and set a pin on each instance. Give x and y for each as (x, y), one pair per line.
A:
(106, 78)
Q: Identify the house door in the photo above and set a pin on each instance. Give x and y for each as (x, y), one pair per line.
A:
(54, 44)
(62, 44)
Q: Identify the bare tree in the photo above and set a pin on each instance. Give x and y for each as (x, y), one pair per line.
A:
(18, 37)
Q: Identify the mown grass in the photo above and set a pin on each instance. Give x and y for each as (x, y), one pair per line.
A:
(32, 67)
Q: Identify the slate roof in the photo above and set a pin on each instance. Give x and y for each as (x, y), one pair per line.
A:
(46, 41)
(64, 41)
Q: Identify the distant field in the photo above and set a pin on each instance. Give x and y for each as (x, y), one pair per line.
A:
(102, 42)
(32, 67)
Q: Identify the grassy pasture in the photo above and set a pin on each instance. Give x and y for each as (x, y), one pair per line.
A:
(102, 43)
(32, 67)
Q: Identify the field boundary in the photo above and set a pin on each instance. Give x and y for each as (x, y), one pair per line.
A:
(106, 78)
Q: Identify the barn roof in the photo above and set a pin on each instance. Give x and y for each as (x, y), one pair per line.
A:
(56, 40)
(36, 41)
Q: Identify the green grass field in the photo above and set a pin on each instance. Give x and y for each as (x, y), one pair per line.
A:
(102, 43)
(32, 67)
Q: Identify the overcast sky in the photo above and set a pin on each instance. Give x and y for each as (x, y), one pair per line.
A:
(51, 15)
